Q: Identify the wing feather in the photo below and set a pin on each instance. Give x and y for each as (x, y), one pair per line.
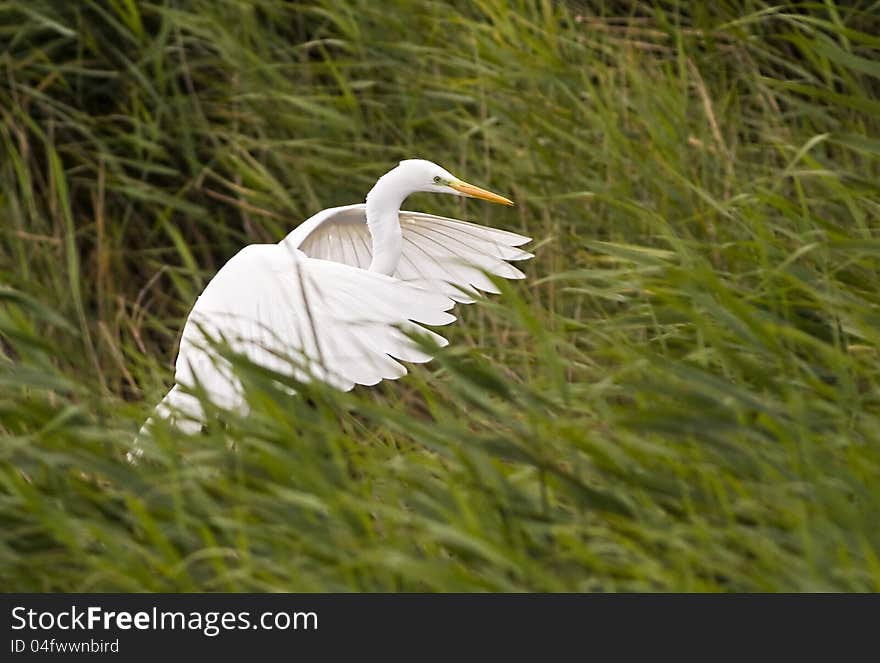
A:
(340, 324)
(439, 254)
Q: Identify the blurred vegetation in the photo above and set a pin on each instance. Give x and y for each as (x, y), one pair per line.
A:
(684, 395)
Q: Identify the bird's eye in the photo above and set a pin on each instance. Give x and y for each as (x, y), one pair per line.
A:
(436, 179)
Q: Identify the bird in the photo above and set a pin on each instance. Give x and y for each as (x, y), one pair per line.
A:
(340, 298)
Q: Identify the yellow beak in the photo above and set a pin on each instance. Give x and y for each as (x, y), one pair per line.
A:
(477, 192)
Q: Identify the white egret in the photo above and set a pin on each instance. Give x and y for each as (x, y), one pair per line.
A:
(341, 292)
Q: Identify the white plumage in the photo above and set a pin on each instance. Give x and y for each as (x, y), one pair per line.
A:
(441, 254)
(336, 299)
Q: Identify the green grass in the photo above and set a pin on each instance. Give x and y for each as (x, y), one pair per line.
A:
(683, 396)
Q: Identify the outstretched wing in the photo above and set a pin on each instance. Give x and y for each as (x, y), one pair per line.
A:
(341, 324)
(439, 254)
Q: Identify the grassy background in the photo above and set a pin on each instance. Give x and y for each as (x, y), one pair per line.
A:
(684, 395)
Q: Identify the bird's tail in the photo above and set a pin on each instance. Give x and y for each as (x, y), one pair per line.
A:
(181, 409)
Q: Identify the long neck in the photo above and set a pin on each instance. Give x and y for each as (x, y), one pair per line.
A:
(383, 205)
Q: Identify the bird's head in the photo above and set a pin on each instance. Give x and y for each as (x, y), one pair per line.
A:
(427, 176)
